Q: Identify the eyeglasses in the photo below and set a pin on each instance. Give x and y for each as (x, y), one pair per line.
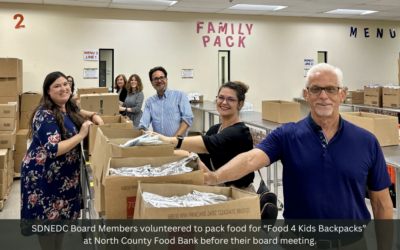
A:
(162, 78)
(330, 90)
(228, 100)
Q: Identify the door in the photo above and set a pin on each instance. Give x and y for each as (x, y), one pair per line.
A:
(106, 69)
(224, 73)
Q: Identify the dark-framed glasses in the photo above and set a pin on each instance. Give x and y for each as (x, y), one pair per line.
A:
(162, 78)
(330, 90)
(229, 100)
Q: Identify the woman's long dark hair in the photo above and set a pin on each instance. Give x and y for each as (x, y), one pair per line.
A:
(47, 103)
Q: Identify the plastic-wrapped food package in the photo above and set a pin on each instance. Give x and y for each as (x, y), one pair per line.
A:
(195, 199)
(147, 171)
(145, 139)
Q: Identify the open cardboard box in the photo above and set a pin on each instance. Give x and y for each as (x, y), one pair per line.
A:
(120, 191)
(110, 121)
(107, 145)
(244, 205)
(384, 127)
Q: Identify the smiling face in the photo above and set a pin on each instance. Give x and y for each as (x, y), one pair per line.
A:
(133, 83)
(324, 104)
(59, 91)
(227, 102)
(120, 82)
(159, 85)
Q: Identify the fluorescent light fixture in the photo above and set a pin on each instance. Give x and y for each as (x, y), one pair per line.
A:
(147, 2)
(256, 7)
(350, 12)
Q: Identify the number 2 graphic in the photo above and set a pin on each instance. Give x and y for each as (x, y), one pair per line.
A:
(18, 26)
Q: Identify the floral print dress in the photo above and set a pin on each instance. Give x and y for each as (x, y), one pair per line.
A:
(50, 186)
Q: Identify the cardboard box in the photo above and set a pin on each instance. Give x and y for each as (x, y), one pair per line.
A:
(391, 98)
(22, 141)
(103, 104)
(10, 67)
(384, 127)
(18, 161)
(3, 159)
(373, 96)
(110, 121)
(3, 176)
(10, 154)
(85, 91)
(11, 87)
(10, 174)
(281, 111)
(25, 119)
(8, 124)
(351, 100)
(120, 191)
(354, 97)
(8, 111)
(107, 146)
(245, 205)
(7, 139)
(30, 100)
(197, 101)
(3, 191)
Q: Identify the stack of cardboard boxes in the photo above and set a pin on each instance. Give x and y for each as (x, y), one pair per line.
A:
(29, 101)
(373, 95)
(354, 97)
(21, 147)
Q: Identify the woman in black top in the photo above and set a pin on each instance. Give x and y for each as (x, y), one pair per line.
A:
(120, 85)
(224, 141)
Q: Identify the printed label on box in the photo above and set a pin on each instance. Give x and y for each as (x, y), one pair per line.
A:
(130, 206)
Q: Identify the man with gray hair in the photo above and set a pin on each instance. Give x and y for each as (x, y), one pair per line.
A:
(327, 162)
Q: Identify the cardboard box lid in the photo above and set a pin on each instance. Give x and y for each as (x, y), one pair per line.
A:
(241, 199)
(110, 121)
(82, 91)
(8, 110)
(107, 146)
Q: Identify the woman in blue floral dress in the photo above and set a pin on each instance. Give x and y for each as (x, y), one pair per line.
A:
(50, 170)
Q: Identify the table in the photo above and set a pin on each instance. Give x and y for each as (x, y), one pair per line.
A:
(205, 106)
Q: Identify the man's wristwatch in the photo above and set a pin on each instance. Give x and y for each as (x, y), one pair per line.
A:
(180, 139)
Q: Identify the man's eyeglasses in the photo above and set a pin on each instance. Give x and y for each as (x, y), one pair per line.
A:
(330, 90)
(228, 100)
(162, 78)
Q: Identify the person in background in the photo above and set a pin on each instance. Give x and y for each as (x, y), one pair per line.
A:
(71, 83)
(224, 141)
(132, 106)
(50, 170)
(120, 85)
(169, 110)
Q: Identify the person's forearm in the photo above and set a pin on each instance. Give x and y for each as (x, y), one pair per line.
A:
(193, 144)
(122, 108)
(182, 129)
(67, 145)
(87, 114)
(181, 153)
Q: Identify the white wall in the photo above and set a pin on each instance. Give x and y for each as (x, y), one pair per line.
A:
(54, 38)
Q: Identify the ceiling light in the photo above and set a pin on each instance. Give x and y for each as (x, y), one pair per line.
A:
(256, 7)
(147, 2)
(350, 12)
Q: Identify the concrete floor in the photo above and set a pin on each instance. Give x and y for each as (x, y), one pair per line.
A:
(11, 209)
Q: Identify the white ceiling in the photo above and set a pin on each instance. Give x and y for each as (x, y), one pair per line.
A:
(388, 9)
